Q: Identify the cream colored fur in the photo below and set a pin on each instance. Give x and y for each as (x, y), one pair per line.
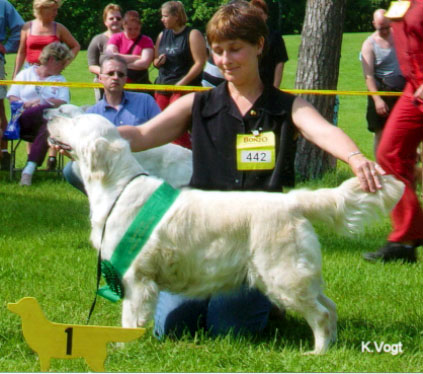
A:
(212, 241)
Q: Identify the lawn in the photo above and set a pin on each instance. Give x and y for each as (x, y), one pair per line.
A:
(45, 253)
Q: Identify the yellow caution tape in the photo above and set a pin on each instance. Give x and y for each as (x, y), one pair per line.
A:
(171, 88)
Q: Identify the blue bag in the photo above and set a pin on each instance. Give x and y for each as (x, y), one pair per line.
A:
(13, 130)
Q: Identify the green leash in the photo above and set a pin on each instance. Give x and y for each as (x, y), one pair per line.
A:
(134, 240)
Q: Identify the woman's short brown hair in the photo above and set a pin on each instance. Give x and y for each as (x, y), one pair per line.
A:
(237, 20)
(111, 8)
(176, 8)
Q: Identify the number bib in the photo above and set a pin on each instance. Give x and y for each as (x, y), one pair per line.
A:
(256, 152)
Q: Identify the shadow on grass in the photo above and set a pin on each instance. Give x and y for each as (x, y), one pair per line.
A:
(293, 333)
(42, 209)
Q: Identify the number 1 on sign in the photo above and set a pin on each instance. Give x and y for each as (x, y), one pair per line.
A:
(69, 333)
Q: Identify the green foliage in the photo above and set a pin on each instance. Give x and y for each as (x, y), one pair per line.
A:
(286, 15)
(360, 13)
(204, 10)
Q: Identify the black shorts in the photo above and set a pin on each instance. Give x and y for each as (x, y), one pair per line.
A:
(375, 122)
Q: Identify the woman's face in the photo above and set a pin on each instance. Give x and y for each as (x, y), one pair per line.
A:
(113, 21)
(169, 21)
(48, 13)
(132, 29)
(237, 59)
(55, 67)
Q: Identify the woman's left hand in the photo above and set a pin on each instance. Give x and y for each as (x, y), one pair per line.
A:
(368, 172)
(31, 103)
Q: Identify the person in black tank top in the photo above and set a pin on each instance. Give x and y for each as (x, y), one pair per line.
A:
(180, 55)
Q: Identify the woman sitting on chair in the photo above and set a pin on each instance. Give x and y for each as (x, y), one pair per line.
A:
(35, 99)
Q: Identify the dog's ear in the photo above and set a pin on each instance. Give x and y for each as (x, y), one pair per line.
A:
(101, 157)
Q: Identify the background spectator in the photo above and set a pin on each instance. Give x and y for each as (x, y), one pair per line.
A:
(112, 18)
(118, 106)
(53, 59)
(211, 76)
(39, 32)
(382, 73)
(275, 55)
(135, 48)
(10, 27)
(180, 55)
(403, 132)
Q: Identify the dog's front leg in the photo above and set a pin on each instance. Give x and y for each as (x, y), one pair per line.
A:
(139, 303)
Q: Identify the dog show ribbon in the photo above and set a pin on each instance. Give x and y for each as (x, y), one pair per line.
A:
(134, 240)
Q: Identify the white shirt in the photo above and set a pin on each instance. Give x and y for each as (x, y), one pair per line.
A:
(30, 92)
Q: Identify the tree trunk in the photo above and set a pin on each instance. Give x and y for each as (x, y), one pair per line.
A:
(318, 68)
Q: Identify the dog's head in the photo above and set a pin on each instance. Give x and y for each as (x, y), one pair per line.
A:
(64, 110)
(92, 140)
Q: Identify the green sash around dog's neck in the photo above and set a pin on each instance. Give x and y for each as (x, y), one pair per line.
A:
(134, 239)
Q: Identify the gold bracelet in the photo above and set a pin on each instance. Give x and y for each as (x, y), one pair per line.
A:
(355, 153)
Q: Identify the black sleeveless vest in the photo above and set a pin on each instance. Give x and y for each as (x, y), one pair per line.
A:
(178, 57)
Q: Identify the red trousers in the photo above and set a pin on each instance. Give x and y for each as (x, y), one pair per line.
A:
(397, 154)
(165, 100)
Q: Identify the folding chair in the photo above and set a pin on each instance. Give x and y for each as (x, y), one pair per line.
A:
(13, 147)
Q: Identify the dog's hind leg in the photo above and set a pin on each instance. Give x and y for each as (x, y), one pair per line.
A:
(321, 321)
(318, 311)
(331, 306)
(292, 277)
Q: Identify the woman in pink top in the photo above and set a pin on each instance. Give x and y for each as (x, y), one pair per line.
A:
(35, 35)
(135, 48)
(41, 31)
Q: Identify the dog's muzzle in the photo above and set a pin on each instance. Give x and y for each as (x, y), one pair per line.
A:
(63, 146)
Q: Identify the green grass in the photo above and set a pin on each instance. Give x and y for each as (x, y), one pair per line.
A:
(45, 253)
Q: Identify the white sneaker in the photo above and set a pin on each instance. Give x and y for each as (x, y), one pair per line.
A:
(26, 179)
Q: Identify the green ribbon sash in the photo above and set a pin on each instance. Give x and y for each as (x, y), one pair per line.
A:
(134, 239)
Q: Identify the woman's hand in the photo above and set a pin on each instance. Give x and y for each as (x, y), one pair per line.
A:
(32, 103)
(382, 109)
(160, 61)
(367, 172)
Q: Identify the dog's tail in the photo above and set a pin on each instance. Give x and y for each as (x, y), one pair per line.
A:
(348, 208)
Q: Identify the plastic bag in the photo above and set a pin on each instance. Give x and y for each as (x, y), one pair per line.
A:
(13, 130)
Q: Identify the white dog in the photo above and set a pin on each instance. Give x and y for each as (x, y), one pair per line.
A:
(212, 241)
(170, 162)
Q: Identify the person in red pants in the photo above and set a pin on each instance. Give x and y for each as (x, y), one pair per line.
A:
(402, 135)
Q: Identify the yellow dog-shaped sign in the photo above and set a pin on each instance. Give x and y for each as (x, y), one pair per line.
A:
(57, 340)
